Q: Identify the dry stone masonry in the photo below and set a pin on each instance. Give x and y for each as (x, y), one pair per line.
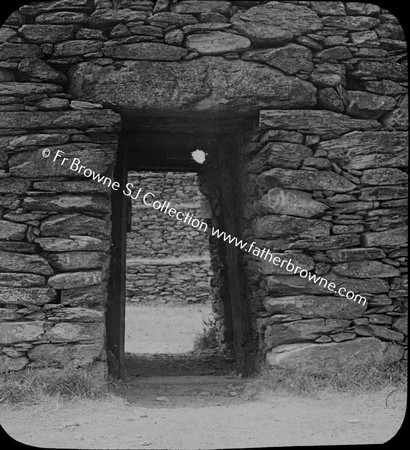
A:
(167, 260)
(324, 176)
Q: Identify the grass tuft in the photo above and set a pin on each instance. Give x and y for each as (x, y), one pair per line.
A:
(353, 377)
(207, 338)
(31, 386)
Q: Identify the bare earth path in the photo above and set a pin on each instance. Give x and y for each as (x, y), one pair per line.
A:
(185, 413)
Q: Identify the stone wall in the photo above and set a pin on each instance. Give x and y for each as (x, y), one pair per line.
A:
(324, 177)
(167, 260)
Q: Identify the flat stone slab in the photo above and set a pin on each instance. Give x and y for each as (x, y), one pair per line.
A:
(276, 22)
(151, 51)
(217, 43)
(274, 226)
(15, 262)
(313, 306)
(66, 225)
(314, 122)
(318, 356)
(17, 332)
(204, 85)
(29, 296)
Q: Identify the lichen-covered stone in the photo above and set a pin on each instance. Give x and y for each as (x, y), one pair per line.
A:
(384, 176)
(76, 47)
(26, 296)
(367, 105)
(366, 269)
(320, 356)
(75, 332)
(388, 238)
(75, 260)
(72, 244)
(62, 17)
(314, 122)
(67, 203)
(357, 23)
(16, 332)
(355, 254)
(35, 69)
(89, 295)
(10, 50)
(67, 225)
(76, 355)
(297, 259)
(276, 23)
(301, 331)
(217, 43)
(208, 84)
(290, 59)
(151, 51)
(17, 262)
(308, 180)
(11, 279)
(313, 306)
(75, 279)
(291, 203)
(196, 7)
(40, 34)
(12, 231)
(275, 226)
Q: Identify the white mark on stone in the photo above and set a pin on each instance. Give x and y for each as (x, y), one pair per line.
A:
(198, 156)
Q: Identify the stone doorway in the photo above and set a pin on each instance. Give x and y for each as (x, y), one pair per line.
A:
(166, 144)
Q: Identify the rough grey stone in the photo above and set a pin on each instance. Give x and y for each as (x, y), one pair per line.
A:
(329, 75)
(388, 238)
(297, 259)
(62, 17)
(355, 254)
(311, 306)
(23, 89)
(74, 224)
(367, 105)
(384, 176)
(362, 150)
(40, 34)
(72, 244)
(275, 22)
(236, 87)
(336, 53)
(76, 260)
(75, 279)
(75, 332)
(145, 51)
(17, 262)
(72, 186)
(68, 203)
(276, 226)
(110, 17)
(21, 280)
(12, 231)
(174, 37)
(290, 59)
(358, 23)
(308, 180)
(27, 296)
(217, 43)
(16, 332)
(202, 27)
(200, 6)
(9, 50)
(401, 325)
(388, 70)
(341, 337)
(98, 158)
(172, 18)
(313, 122)
(291, 203)
(300, 331)
(284, 154)
(61, 119)
(80, 355)
(78, 314)
(61, 5)
(35, 69)
(319, 356)
(329, 98)
(77, 47)
(366, 269)
(385, 333)
(89, 295)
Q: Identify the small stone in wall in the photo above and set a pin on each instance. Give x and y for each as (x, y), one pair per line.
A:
(367, 105)
(216, 43)
(174, 37)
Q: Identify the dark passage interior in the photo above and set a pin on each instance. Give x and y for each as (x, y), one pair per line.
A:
(166, 145)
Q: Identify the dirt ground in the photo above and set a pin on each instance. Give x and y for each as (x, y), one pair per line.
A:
(206, 416)
(205, 407)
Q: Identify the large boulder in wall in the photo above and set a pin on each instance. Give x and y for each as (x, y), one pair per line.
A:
(210, 85)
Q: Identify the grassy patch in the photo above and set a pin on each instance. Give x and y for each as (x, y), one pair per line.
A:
(353, 376)
(207, 338)
(31, 386)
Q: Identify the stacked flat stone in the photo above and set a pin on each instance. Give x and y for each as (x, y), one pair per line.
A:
(332, 140)
(167, 260)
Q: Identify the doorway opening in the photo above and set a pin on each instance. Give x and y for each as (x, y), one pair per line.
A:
(156, 148)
